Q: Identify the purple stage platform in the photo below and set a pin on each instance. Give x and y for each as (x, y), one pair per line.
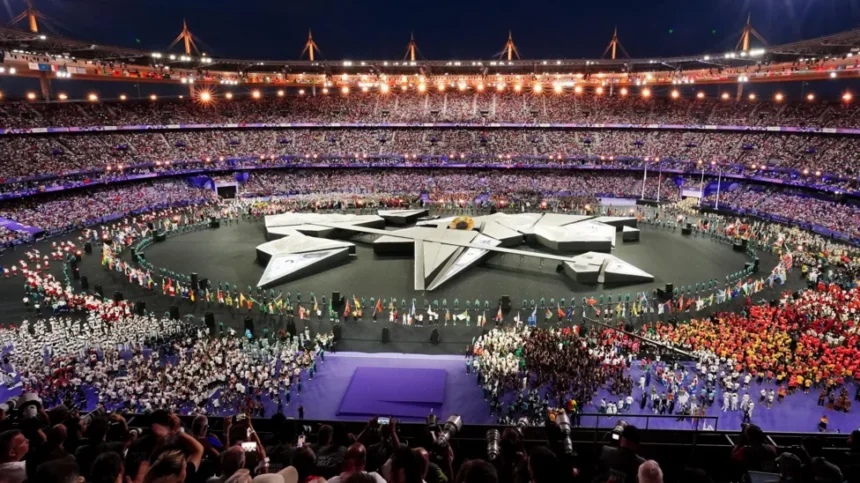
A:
(399, 392)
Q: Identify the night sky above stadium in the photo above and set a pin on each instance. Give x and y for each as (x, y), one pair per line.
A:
(445, 29)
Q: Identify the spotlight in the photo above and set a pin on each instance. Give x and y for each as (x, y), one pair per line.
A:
(344, 90)
(646, 92)
(700, 95)
(280, 93)
(725, 96)
(153, 97)
(384, 88)
(205, 96)
(557, 88)
(577, 89)
(518, 88)
(778, 97)
(810, 97)
(623, 91)
(752, 97)
(63, 96)
(94, 97)
(599, 91)
(847, 97)
(675, 94)
(255, 94)
(537, 88)
(422, 87)
(31, 96)
(228, 95)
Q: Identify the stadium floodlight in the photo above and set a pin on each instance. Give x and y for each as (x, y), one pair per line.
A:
(778, 97)
(256, 94)
(500, 86)
(301, 92)
(384, 88)
(623, 91)
(847, 97)
(833, 75)
(646, 92)
(752, 97)
(599, 91)
(325, 90)
(441, 87)
(122, 97)
(725, 96)
(577, 89)
(344, 90)
(205, 96)
(700, 95)
(675, 94)
(517, 87)
(480, 87)
(810, 97)
(153, 97)
(537, 88)
(364, 89)
(557, 88)
(12, 70)
(818, 173)
(228, 95)
(31, 96)
(280, 93)
(93, 97)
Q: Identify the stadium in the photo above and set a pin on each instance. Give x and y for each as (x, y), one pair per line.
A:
(614, 268)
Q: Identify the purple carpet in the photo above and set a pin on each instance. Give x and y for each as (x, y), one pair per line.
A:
(400, 392)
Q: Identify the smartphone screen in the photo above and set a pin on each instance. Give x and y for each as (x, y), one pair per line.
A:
(383, 421)
(249, 446)
(301, 441)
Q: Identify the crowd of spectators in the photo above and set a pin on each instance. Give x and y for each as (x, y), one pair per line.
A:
(462, 185)
(778, 155)
(791, 205)
(434, 106)
(74, 209)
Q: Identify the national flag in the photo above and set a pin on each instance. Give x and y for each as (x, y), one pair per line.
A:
(191, 295)
(241, 299)
(412, 311)
(357, 305)
(569, 314)
(378, 308)
(560, 312)
(346, 310)
(316, 306)
(499, 316)
(464, 315)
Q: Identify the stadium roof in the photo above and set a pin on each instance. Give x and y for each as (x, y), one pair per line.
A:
(59, 51)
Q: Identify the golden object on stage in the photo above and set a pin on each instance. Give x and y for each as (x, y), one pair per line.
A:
(462, 223)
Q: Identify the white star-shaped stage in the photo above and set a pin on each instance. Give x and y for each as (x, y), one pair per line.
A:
(305, 243)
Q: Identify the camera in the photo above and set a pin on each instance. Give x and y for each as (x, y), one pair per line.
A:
(521, 425)
(29, 405)
(563, 422)
(449, 430)
(494, 448)
(93, 415)
(10, 405)
(383, 421)
(615, 434)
